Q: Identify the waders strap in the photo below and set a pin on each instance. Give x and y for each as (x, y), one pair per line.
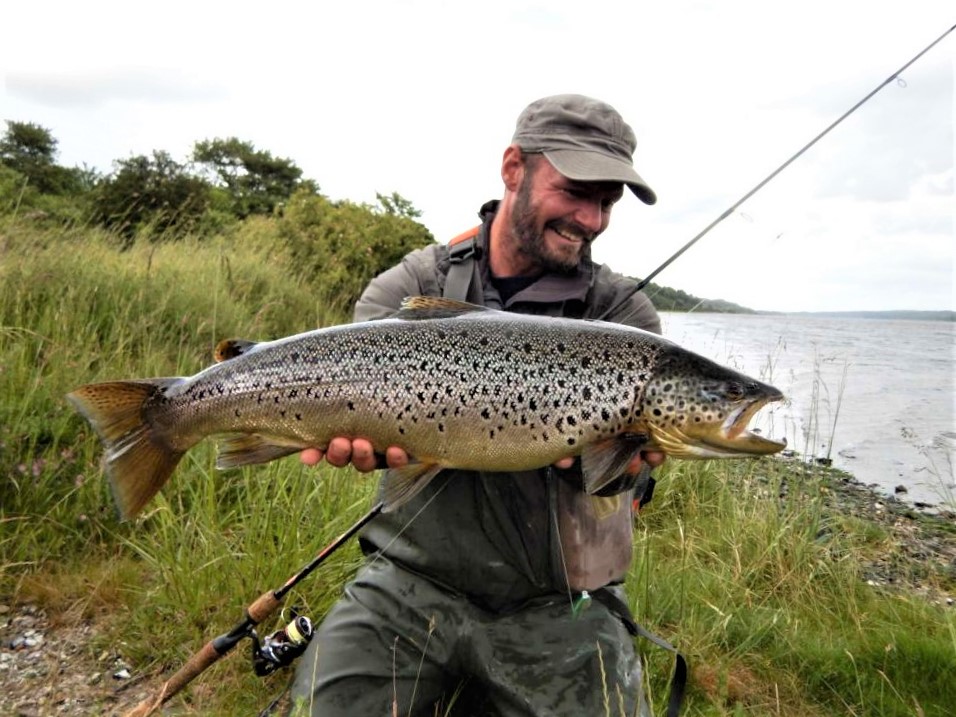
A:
(461, 256)
(679, 684)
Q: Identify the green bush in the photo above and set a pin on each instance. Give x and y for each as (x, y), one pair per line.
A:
(344, 243)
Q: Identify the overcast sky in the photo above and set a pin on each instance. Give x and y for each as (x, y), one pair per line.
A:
(420, 97)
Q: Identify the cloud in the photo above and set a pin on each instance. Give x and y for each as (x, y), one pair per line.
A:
(94, 88)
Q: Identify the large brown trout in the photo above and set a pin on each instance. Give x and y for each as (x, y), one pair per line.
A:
(455, 385)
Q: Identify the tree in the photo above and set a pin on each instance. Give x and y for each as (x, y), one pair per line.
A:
(397, 205)
(256, 181)
(30, 149)
(153, 190)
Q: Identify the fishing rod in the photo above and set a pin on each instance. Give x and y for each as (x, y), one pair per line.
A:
(730, 210)
(276, 650)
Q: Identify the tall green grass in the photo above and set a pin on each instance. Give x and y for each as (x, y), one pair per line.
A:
(763, 594)
(767, 598)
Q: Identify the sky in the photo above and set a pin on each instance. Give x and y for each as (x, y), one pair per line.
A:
(420, 97)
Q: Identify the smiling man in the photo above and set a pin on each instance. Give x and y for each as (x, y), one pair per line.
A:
(473, 593)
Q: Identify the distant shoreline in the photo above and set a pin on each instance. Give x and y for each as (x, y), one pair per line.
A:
(901, 315)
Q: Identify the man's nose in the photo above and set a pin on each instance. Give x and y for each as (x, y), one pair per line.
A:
(590, 215)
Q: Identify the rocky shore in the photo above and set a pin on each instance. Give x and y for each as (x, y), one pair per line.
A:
(51, 666)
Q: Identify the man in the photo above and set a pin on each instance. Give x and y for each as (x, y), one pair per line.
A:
(475, 591)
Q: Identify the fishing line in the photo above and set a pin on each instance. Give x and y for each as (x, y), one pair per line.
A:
(408, 523)
(730, 210)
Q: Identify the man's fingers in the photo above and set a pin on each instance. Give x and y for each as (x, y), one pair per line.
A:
(310, 456)
(363, 455)
(396, 457)
(359, 452)
(339, 452)
(654, 458)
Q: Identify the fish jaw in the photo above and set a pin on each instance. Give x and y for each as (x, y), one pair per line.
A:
(699, 409)
(727, 439)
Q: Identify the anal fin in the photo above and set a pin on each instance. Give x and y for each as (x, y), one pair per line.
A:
(243, 449)
(403, 484)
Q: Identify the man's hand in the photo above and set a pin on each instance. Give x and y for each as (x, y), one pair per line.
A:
(652, 458)
(358, 452)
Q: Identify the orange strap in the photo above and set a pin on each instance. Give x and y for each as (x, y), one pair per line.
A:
(464, 236)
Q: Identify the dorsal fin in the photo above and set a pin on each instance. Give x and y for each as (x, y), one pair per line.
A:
(230, 348)
(435, 307)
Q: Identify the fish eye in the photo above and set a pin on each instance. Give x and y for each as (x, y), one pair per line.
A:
(734, 391)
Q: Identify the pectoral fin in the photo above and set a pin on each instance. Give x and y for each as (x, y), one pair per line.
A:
(603, 463)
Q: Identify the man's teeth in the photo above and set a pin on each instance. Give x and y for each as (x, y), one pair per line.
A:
(568, 235)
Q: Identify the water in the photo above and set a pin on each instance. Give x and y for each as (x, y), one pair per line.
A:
(876, 396)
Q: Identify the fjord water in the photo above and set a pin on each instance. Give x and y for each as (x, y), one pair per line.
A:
(875, 395)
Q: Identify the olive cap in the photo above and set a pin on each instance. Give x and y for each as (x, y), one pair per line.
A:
(584, 139)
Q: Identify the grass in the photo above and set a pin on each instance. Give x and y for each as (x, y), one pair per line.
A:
(764, 595)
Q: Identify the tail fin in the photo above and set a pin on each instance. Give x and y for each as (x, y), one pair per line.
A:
(137, 461)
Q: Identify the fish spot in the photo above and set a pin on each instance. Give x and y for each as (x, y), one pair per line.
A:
(571, 441)
(586, 393)
(351, 406)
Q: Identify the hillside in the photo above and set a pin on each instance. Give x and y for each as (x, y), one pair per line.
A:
(667, 299)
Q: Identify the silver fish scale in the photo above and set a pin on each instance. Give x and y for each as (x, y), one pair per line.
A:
(529, 390)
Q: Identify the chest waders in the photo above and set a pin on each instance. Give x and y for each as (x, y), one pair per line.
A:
(462, 251)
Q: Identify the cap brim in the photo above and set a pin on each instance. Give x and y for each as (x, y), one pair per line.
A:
(584, 166)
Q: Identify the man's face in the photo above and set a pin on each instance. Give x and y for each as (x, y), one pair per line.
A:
(555, 219)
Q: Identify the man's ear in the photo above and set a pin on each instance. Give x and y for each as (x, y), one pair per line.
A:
(512, 167)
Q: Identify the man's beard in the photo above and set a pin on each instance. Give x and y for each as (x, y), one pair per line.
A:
(530, 241)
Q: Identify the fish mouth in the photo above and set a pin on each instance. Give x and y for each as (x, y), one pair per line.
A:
(727, 439)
